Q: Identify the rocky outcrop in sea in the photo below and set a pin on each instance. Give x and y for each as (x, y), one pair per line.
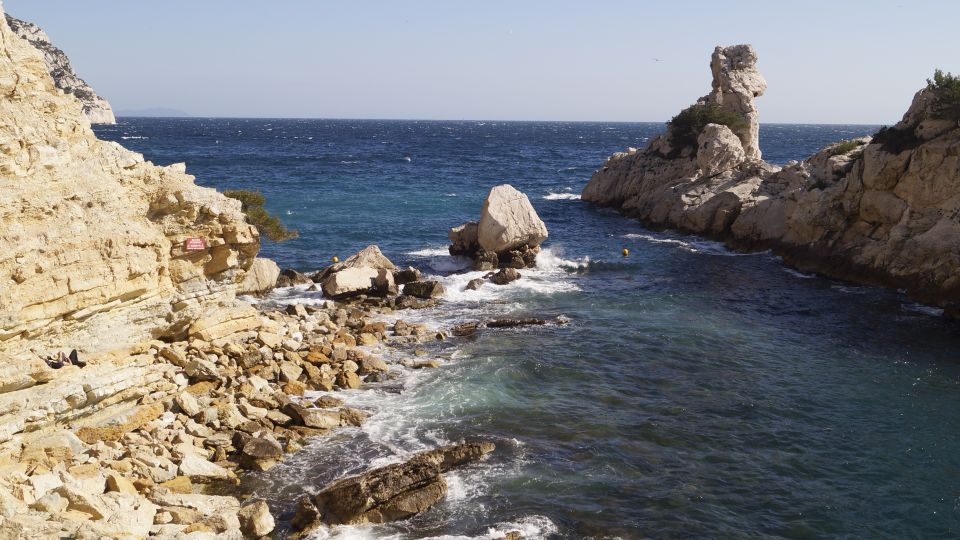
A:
(96, 108)
(879, 210)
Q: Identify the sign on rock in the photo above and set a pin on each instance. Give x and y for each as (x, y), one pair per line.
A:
(195, 244)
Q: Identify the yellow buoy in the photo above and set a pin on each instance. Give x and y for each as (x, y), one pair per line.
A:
(626, 252)
(335, 259)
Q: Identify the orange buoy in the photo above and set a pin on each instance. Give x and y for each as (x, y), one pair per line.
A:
(335, 259)
(626, 252)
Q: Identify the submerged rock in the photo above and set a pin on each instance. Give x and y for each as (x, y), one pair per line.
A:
(389, 493)
(512, 323)
(505, 276)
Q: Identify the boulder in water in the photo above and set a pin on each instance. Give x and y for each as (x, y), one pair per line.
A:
(389, 493)
(504, 276)
(424, 289)
(508, 221)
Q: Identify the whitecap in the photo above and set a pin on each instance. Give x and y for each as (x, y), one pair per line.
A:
(134, 137)
(562, 196)
(430, 252)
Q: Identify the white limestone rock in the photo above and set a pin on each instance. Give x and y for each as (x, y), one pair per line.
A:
(508, 221)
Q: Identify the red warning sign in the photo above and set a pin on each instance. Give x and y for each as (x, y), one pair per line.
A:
(195, 244)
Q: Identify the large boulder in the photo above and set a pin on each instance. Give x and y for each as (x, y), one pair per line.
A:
(365, 271)
(350, 281)
(718, 150)
(261, 277)
(389, 493)
(508, 221)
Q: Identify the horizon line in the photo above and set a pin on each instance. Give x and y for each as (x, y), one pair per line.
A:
(162, 117)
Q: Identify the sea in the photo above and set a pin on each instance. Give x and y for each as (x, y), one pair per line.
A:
(682, 391)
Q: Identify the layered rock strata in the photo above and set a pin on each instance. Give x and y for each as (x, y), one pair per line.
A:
(874, 211)
(94, 250)
(96, 108)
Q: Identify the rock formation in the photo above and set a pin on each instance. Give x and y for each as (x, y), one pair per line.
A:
(96, 108)
(93, 252)
(882, 211)
(508, 234)
(389, 493)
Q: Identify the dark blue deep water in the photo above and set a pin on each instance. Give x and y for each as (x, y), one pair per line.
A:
(695, 392)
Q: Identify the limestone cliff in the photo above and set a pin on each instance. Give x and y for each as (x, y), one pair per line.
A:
(95, 107)
(92, 251)
(882, 212)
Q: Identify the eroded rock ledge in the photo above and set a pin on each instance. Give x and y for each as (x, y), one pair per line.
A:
(864, 210)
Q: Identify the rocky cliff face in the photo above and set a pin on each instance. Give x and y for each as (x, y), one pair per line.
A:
(877, 212)
(96, 108)
(92, 251)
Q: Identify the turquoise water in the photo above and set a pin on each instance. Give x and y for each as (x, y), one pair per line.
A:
(694, 392)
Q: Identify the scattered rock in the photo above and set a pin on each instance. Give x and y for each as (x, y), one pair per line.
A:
(505, 276)
(290, 277)
(511, 323)
(407, 275)
(424, 289)
(475, 283)
(465, 329)
(255, 519)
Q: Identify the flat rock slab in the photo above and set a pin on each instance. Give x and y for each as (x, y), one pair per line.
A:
(390, 493)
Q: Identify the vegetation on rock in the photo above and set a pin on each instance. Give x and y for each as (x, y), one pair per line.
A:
(894, 141)
(946, 88)
(845, 147)
(686, 126)
(269, 225)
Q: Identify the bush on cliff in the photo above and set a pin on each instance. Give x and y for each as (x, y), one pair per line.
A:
(686, 126)
(894, 141)
(946, 88)
(251, 202)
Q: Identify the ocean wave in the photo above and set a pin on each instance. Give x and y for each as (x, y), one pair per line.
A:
(797, 273)
(693, 245)
(430, 252)
(125, 137)
(562, 196)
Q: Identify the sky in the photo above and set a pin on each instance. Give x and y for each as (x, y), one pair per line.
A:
(836, 61)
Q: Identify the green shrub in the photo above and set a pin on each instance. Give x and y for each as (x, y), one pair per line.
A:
(686, 126)
(946, 88)
(251, 202)
(894, 141)
(845, 147)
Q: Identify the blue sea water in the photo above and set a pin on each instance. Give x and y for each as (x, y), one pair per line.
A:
(694, 392)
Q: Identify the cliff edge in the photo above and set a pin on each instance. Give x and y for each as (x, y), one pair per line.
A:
(93, 251)
(882, 210)
(96, 108)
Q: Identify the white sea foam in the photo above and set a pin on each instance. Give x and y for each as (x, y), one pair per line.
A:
(692, 244)
(798, 274)
(430, 252)
(133, 137)
(531, 527)
(562, 196)
(926, 310)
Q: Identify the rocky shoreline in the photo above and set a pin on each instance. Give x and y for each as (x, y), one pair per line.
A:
(176, 421)
(880, 210)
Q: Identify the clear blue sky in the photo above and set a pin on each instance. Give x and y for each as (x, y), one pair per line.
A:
(837, 61)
